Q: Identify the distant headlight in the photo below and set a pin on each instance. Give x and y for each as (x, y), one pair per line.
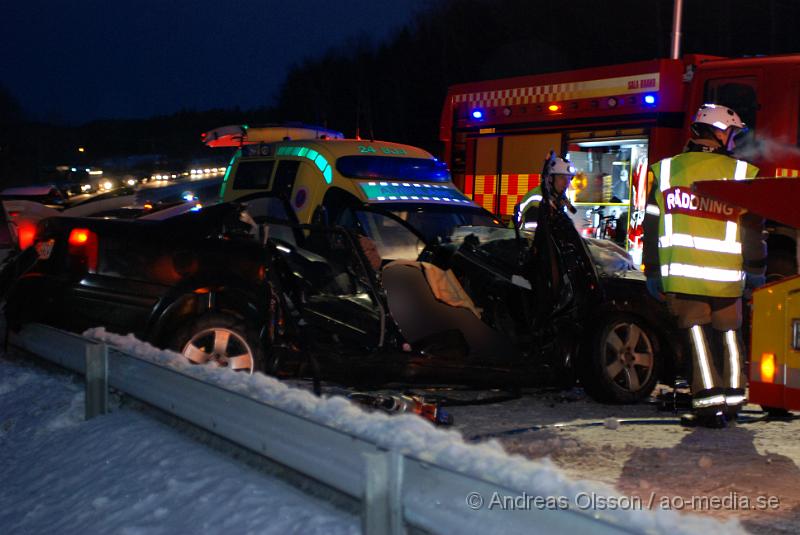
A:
(107, 185)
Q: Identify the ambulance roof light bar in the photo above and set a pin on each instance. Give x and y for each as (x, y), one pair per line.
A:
(238, 135)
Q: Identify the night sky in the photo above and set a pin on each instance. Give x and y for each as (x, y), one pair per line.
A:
(75, 61)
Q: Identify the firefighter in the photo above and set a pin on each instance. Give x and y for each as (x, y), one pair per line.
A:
(560, 172)
(698, 255)
(560, 175)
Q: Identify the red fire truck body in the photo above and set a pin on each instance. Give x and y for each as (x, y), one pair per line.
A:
(613, 122)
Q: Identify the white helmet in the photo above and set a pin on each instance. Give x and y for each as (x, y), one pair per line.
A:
(720, 117)
(560, 166)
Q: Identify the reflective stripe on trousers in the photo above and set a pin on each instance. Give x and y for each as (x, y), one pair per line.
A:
(700, 347)
(734, 394)
(734, 359)
(708, 381)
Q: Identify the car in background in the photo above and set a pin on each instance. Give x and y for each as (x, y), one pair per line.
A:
(127, 202)
(48, 194)
(8, 241)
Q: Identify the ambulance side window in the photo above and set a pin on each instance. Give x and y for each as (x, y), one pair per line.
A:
(253, 175)
(284, 178)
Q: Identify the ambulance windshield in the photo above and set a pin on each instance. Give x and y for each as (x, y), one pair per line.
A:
(394, 168)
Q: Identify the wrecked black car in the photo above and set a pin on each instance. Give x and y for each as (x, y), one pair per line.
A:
(405, 294)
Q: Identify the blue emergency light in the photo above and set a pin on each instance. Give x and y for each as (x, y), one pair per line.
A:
(650, 100)
(477, 114)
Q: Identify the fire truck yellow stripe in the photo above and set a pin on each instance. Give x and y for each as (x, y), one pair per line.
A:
(786, 173)
(621, 85)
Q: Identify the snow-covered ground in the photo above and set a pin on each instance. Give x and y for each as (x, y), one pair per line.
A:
(126, 472)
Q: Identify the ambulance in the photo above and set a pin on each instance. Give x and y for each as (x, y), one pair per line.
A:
(318, 174)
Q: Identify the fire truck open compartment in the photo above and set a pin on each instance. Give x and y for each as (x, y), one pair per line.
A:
(610, 170)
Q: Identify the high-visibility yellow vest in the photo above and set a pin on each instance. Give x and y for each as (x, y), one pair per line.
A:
(530, 200)
(699, 247)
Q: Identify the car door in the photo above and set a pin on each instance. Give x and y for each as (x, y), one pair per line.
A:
(561, 269)
(338, 285)
(322, 270)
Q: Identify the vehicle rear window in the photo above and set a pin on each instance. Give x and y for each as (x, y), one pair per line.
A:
(376, 167)
(253, 175)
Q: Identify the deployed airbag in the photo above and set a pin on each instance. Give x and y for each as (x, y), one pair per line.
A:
(411, 291)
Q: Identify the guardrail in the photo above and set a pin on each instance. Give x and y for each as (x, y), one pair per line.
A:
(397, 491)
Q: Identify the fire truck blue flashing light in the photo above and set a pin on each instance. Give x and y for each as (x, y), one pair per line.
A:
(650, 100)
(477, 114)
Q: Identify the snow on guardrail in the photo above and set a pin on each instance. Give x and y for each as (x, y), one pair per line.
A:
(415, 437)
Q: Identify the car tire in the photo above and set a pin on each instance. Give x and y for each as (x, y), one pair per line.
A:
(620, 363)
(224, 339)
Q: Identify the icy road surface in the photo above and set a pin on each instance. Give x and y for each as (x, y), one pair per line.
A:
(740, 463)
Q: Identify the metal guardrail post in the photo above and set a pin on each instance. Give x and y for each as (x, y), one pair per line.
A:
(382, 507)
(96, 380)
(396, 516)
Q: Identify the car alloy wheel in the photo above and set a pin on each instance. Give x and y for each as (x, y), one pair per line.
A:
(222, 346)
(628, 356)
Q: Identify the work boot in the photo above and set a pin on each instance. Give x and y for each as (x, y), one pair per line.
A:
(734, 400)
(709, 419)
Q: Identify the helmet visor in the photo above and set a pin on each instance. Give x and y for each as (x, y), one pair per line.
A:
(739, 134)
(736, 136)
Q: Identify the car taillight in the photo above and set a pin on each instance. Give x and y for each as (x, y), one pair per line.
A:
(83, 248)
(26, 233)
(79, 236)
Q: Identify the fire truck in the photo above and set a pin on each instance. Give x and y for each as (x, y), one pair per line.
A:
(613, 122)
